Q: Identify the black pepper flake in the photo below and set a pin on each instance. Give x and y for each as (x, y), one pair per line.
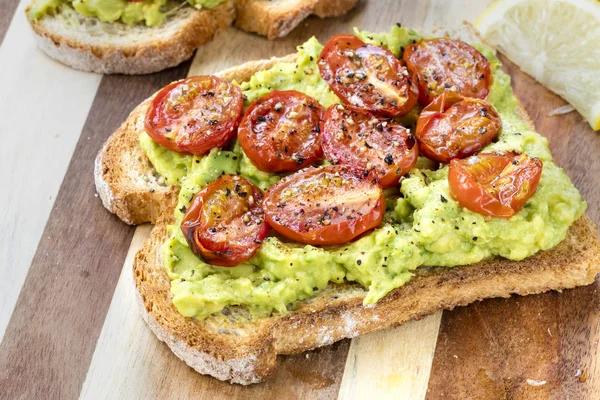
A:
(261, 118)
(315, 288)
(213, 230)
(359, 261)
(368, 146)
(475, 238)
(389, 159)
(443, 199)
(183, 209)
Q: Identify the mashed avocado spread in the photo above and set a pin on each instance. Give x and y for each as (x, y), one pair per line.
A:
(150, 12)
(424, 226)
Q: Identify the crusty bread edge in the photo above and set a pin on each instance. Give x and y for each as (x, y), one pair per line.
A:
(276, 21)
(574, 262)
(144, 58)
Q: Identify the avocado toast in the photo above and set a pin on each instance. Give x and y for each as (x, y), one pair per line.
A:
(141, 37)
(131, 187)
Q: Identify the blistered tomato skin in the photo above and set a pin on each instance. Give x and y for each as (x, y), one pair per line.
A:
(494, 184)
(359, 139)
(456, 127)
(367, 76)
(280, 131)
(325, 206)
(441, 65)
(195, 114)
(225, 224)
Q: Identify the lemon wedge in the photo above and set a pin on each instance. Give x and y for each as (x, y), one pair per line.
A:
(555, 41)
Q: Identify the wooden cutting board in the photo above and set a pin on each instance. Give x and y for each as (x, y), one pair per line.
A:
(68, 319)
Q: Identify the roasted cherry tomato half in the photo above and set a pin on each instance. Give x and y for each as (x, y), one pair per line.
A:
(225, 224)
(494, 185)
(453, 126)
(441, 65)
(195, 114)
(280, 131)
(325, 206)
(359, 139)
(367, 76)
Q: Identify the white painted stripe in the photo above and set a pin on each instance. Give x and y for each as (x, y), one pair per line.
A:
(391, 364)
(43, 106)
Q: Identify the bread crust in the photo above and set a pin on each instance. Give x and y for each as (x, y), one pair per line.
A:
(229, 347)
(275, 20)
(245, 352)
(151, 50)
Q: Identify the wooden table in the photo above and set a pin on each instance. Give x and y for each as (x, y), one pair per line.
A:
(68, 322)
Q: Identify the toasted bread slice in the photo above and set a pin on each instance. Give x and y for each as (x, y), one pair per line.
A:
(90, 45)
(230, 347)
(275, 19)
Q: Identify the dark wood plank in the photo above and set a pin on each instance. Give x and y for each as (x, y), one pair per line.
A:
(7, 10)
(51, 336)
(490, 349)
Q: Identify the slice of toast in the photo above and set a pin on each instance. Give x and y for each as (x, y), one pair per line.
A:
(229, 347)
(90, 45)
(275, 19)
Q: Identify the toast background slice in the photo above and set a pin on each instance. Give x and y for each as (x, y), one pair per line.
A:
(275, 19)
(90, 45)
(229, 347)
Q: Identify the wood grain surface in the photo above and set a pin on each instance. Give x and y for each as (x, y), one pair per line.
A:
(74, 328)
(39, 136)
(7, 9)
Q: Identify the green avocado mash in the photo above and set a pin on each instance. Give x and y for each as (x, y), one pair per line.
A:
(150, 12)
(424, 226)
